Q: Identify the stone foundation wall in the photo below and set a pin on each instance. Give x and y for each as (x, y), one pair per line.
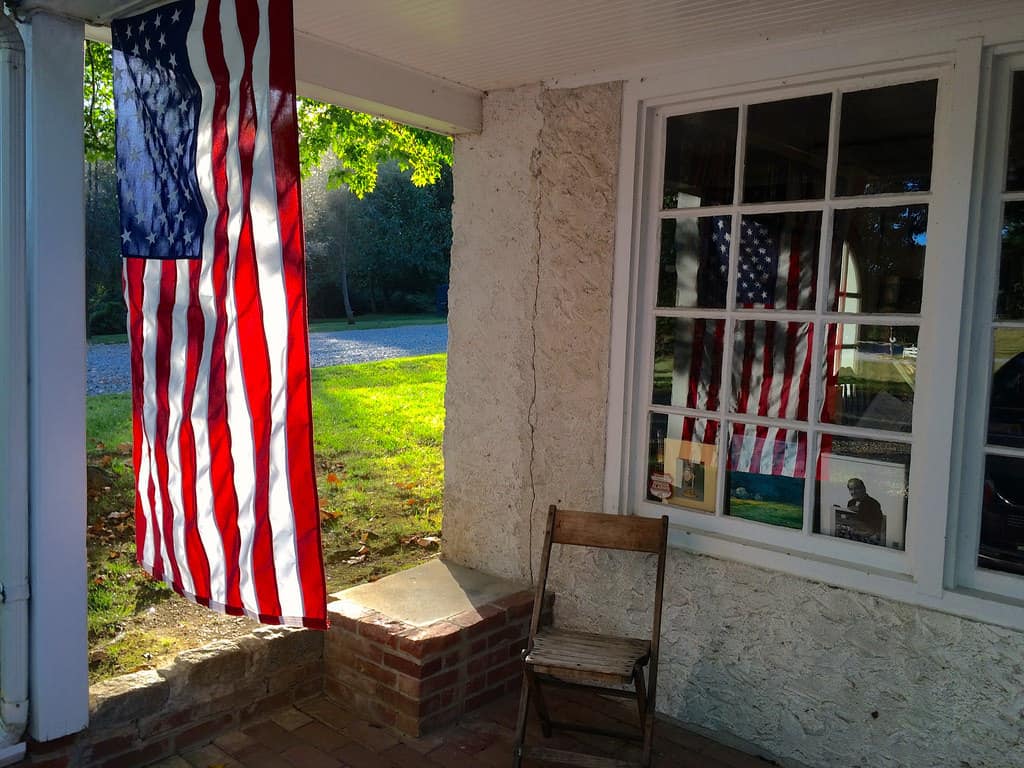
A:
(809, 672)
(142, 717)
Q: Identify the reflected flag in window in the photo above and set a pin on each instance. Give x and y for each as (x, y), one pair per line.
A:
(211, 231)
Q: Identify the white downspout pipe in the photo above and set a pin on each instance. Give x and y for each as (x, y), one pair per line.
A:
(13, 399)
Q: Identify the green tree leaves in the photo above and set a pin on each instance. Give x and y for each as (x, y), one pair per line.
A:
(360, 142)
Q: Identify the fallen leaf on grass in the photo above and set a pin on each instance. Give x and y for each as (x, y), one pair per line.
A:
(332, 478)
(125, 449)
(363, 550)
(355, 560)
(428, 541)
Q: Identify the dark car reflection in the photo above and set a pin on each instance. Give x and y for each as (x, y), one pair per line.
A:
(1002, 517)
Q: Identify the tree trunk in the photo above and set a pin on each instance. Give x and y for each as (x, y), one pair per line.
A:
(349, 315)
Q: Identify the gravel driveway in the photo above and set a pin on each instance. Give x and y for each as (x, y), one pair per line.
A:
(107, 367)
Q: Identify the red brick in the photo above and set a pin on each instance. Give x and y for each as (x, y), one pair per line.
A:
(396, 701)
(265, 705)
(114, 746)
(480, 699)
(309, 757)
(502, 673)
(50, 747)
(476, 684)
(352, 644)
(309, 688)
(439, 682)
(430, 640)
(502, 636)
(63, 761)
(320, 736)
(203, 732)
(516, 648)
(381, 629)
(480, 620)
(403, 665)
(453, 659)
(345, 681)
(371, 670)
(516, 602)
(487, 662)
(478, 645)
(142, 756)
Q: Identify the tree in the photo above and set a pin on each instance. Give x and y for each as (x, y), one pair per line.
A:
(360, 142)
(340, 152)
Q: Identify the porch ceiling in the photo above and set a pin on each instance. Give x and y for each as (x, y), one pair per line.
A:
(490, 44)
(426, 63)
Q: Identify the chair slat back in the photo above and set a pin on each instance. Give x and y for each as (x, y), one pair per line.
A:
(593, 529)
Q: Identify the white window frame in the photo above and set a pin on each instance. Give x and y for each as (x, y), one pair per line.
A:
(975, 374)
(924, 574)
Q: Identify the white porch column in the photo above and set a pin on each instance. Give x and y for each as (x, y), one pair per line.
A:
(58, 666)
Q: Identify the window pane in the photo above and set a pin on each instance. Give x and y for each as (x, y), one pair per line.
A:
(687, 362)
(1010, 299)
(700, 159)
(787, 145)
(1002, 515)
(862, 490)
(877, 262)
(1006, 406)
(870, 372)
(694, 269)
(885, 140)
(771, 368)
(765, 478)
(683, 461)
(778, 260)
(1015, 165)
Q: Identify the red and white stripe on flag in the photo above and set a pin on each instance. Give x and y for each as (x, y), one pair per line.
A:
(226, 504)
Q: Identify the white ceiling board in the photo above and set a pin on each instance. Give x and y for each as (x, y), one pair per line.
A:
(489, 44)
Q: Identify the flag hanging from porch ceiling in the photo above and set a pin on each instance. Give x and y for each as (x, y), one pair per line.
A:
(211, 230)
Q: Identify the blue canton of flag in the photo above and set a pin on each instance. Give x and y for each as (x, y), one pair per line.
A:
(758, 266)
(162, 211)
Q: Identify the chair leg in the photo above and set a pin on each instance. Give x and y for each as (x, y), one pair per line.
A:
(641, 695)
(524, 706)
(648, 736)
(539, 703)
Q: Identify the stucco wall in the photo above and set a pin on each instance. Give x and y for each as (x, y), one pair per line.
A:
(810, 673)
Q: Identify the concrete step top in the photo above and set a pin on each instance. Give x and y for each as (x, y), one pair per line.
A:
(427, 594)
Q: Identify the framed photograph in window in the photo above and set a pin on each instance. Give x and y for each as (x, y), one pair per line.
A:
(862, 499)
(694, 475)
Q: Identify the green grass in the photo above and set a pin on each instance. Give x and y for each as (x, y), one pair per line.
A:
(363, 323)
(771, 512)
(377, 439)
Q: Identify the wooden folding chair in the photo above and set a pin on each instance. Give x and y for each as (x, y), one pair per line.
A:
(601, 663)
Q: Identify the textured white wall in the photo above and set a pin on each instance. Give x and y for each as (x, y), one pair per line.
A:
(808, 672)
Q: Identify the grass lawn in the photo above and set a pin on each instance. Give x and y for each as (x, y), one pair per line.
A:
(363, 323)
(771, 512)
(377, 435)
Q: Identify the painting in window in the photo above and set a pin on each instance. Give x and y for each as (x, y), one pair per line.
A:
(765, 479)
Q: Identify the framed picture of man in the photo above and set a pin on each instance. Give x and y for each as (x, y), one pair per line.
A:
(862, 499)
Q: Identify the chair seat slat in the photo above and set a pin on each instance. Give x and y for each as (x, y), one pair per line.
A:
(583, 652)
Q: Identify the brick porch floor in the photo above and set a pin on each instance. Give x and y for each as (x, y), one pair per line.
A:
(320, 733)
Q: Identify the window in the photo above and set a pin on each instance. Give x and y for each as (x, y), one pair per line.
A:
(991, 555)
(779, 316)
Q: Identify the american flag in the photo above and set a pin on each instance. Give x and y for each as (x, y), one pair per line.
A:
(776, 269)
(207, 157)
